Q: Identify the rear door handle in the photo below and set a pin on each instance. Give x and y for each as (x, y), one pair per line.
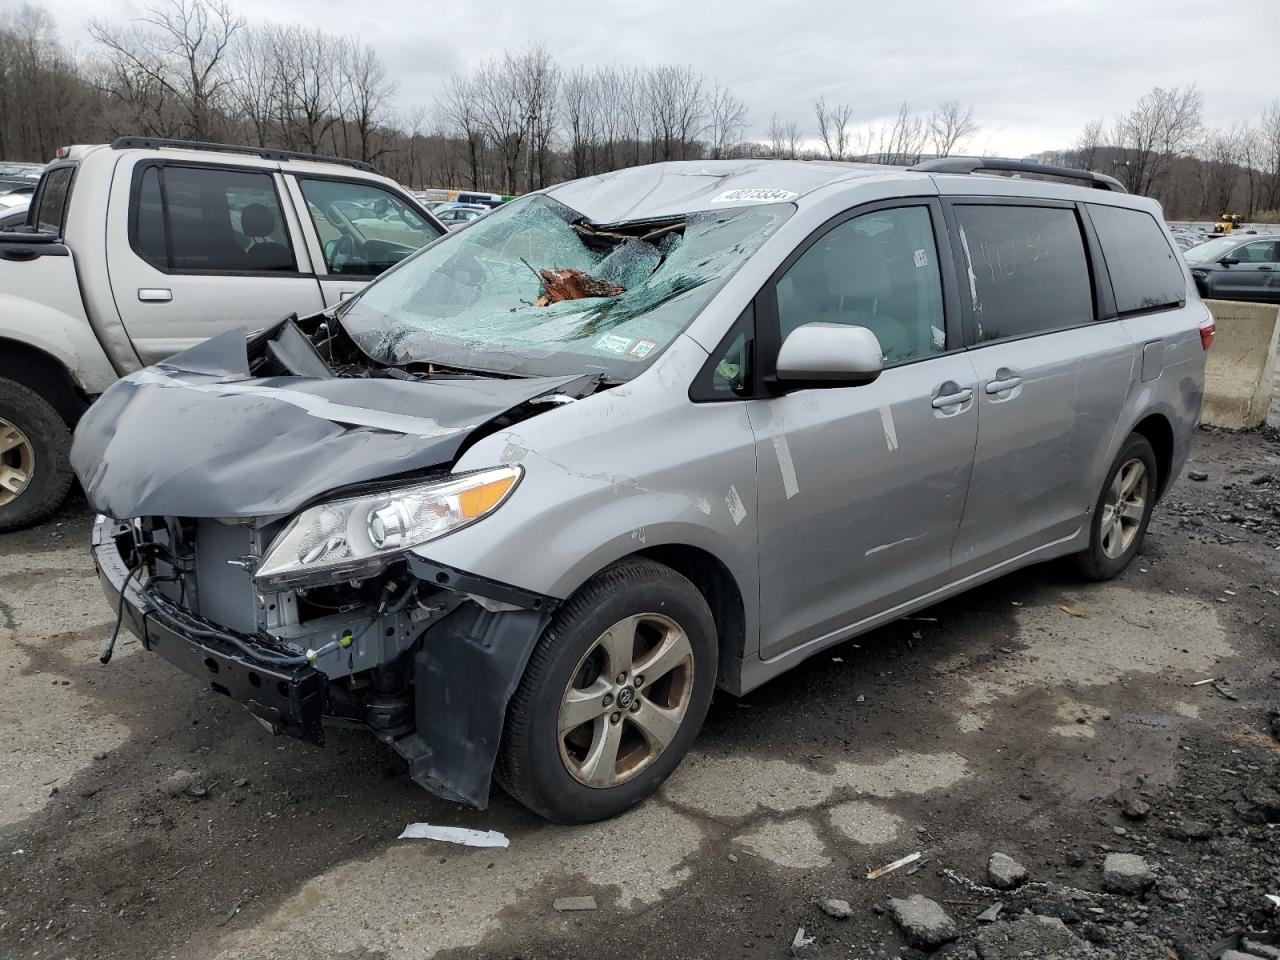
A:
(951, 399)
(1000, 386)
(155, 294)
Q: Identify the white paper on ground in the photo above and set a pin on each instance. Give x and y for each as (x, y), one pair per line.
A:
(470, 838)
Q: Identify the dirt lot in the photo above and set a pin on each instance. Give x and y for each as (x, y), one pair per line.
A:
(996, 722)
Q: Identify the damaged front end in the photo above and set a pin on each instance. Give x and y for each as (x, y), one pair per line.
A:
(269, 553)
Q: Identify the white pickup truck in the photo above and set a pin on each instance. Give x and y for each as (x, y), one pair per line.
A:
(135, 250)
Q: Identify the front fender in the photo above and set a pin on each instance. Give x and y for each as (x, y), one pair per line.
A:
(55, 325)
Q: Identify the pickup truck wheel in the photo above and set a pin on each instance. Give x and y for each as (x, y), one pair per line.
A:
(35, 447)
(614, 695)
(1122, 512)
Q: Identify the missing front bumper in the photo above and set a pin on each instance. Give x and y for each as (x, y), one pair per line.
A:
(291, 700)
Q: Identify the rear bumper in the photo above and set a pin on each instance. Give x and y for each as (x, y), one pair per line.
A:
(291, 700)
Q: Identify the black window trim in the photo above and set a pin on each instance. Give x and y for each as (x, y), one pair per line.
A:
(135, 187)
(412, 201)
(33, 209)
(702, 389)
(1104, 271)
(1100, 291)
(768, 332)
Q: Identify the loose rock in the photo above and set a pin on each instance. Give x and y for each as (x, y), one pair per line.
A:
(1126, 873)
(1197, 475)
(1135, 808)
(178, 781)
(925, 924)
(1030, 937)
(1004, 872)
(839, 909)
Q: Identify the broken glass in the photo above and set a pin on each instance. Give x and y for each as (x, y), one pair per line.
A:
(478, 300)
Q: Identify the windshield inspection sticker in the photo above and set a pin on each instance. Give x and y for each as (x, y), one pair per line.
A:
(642, 348)
(921, 258)
(613, 343)
(755, 195)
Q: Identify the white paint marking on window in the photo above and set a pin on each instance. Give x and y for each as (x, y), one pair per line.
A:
(890, 431)
(921, 258)
(737, 509)
(786, 465)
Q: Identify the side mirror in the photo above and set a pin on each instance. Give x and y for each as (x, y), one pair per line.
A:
(1229, 261)
(829, 355)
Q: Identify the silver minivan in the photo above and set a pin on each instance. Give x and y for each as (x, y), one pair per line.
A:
(525, 502)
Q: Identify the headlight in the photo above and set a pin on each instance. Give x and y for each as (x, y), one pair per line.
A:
(343, 539)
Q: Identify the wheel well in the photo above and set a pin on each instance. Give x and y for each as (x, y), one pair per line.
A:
(38, 371)
(1159, 434)
(716, 584)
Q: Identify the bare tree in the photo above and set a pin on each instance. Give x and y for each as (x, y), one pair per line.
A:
(676, 110)
(179, 48)
(833, 126)
(1091, 140)
(1163, 125)
(460, 111)
(726, 121)
(366, 96)
(950, 125)
(784, 138)
(1269, 154)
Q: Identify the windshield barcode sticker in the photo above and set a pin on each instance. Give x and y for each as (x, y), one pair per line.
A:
(755, 195)
(614, 343)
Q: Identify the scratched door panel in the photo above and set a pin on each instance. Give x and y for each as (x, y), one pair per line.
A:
(861, 491)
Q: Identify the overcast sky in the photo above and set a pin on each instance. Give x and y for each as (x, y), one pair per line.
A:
(1035, 71)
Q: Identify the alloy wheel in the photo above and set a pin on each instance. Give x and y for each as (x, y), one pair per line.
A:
(1122, 511)
(626, 700)
(17, 462)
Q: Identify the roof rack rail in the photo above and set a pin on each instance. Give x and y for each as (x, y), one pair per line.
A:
(971, 164)
(266, 153)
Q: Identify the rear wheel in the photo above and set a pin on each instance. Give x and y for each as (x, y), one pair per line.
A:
(1122, 513)
(613, 696)
(35, 446)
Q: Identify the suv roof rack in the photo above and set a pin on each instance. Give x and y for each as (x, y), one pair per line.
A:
(266, 153)
(971, 164)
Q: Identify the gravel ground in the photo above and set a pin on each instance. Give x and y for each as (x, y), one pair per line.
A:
(143, 816)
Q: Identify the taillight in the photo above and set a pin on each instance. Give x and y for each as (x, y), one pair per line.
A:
(1206, 335)
(62, 153)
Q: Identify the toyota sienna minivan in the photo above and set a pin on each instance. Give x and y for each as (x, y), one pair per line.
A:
(523, 503)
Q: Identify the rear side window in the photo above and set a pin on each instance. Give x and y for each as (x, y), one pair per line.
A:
(1145, 273)
(51, 209)
(198, 220)
(1028, 272)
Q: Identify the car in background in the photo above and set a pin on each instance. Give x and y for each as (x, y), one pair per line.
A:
(19, 178)
(454, 215)
(13, 210)
(1237, 267)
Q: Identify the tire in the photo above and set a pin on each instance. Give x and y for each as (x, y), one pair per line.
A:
(549, 773)
(1110, 548)
(42, 454)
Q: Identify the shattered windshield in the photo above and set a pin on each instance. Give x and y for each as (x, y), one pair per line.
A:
(534, 289)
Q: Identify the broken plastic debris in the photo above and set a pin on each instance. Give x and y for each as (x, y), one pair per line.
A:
(1201, 683)
(800, 941)
(890, 867)
(990, 914)
(470, 838)
(1070, 611)
(1275, 901)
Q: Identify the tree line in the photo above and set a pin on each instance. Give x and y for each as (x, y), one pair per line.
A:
(195, 69)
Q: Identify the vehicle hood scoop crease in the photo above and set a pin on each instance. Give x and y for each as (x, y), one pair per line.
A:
(196, 437)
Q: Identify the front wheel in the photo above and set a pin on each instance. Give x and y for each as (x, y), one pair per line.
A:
(614, 695)
(1122, 513)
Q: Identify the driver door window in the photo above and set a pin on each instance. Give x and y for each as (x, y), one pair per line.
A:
(878, 271)
(363, 229)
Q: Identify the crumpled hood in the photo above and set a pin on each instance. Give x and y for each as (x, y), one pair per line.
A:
(195, 437)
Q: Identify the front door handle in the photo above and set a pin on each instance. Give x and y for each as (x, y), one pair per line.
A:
(1265, 268)
(951, 399)
(1000, 386)
(155, 294)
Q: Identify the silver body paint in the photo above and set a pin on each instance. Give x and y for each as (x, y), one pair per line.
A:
(834, 509)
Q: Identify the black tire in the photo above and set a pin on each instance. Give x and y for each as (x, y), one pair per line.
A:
(530, 767)
(50, 442)
(1094, 563)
